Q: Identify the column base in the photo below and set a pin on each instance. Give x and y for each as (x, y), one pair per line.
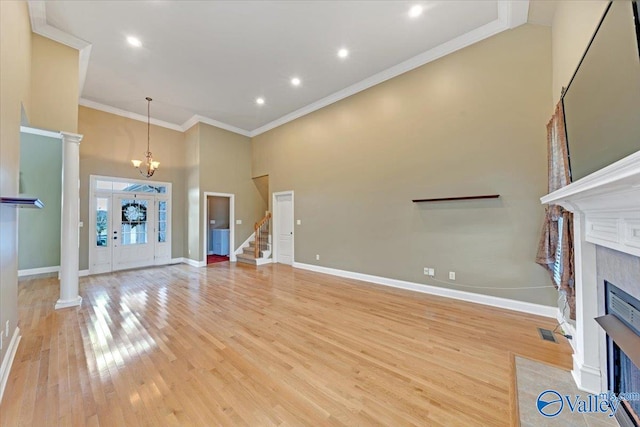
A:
(68, 303)
(587, 378)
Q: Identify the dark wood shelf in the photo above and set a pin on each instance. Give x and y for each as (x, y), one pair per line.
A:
(23, 202)
(448, 199)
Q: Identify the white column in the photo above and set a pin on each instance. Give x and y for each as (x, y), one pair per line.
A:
(70, 238)
(586, 359)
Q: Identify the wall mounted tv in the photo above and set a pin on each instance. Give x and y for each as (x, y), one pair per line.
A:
(602, 101)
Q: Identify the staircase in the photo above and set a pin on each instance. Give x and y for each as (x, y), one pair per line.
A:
(259, 250)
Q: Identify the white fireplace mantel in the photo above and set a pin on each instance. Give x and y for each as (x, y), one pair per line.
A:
(606, 207)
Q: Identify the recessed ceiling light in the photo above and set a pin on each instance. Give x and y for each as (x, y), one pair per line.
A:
(295, 81)
(259, 101)
(134, 41)
(415, 11)
(343, 53)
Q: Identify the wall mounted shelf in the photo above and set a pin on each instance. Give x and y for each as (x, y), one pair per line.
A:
(448, 199)
(23, 202)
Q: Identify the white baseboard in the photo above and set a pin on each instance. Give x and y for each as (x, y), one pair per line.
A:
(83, 273)
(245, 243)
(177, 261)
(7, 362)
(263, 261)
(40, 270)
(509, 304)
(195, 263)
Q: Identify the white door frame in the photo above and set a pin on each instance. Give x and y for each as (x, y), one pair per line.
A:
(232, 224)
(96, 192)
(274, 240)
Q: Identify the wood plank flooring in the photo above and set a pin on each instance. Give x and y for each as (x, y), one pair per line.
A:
(236, 345)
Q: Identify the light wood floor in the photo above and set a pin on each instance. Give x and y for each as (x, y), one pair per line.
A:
(235, 345)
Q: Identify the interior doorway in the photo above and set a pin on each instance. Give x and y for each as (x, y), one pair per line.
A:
(283, 248)
(218, 227)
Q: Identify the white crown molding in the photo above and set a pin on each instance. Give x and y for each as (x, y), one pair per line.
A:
(39, 25)
(514, 13)
(509, 304)
(510, 15)
(41, 132)
(128, 114)
(206, 120)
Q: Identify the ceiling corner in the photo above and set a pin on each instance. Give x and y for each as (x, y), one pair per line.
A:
(514, 12)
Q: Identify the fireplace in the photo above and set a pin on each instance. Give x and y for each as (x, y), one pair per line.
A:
(622, 326)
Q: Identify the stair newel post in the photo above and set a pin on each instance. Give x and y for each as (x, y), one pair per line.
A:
(256, 249)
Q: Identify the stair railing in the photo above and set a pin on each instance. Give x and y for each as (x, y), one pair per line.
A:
(262, 234)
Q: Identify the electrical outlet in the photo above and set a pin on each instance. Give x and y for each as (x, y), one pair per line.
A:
(426, 271)
(429, 272)
(432, 272)
(317, 257)
(452, 275)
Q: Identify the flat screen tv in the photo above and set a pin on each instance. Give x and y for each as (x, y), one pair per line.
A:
(602, 101)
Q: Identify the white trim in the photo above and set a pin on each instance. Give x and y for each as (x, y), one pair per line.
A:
(195, 263)
(39, 25)
(232, 223)
(567, 328)
(83, 273)
(509, 304)
(274, 240)
(128, 114)
(39, 270)
(587, 378)
(208, 121)
(245, 244)
(509, 16)
(75, 302)
(7, 362)
(263, 261)
(41, 132)
(175, 261)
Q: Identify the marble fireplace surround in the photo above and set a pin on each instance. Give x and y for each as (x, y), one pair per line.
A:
(606, 207)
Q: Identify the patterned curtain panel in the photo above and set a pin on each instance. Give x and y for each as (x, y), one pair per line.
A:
(560, 267)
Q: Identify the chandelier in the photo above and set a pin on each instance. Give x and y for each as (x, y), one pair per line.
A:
(150, 165)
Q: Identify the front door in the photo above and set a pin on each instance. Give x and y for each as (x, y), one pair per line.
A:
(133, 231)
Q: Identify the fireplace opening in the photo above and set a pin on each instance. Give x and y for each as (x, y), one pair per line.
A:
(623, 373)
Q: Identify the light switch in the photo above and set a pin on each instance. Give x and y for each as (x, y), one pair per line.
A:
(238, 221)
(298, 222)
(213, 221)
(81, 224)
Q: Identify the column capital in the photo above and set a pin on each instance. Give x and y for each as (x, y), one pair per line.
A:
(71, 137)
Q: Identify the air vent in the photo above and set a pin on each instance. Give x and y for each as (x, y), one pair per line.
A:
(547, 335)
(624, 311)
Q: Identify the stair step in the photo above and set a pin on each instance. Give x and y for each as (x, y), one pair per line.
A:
(247, 259)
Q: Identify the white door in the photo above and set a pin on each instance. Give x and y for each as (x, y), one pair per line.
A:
(284, 228)
(133, 231)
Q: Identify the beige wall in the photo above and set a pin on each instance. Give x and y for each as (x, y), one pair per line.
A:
(470, 123)
(225, 167)
(109, 144)
(218, 211)
(54, 85)
(15, 79)
(574, 23)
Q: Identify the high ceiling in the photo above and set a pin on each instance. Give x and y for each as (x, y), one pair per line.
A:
(210, 61)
